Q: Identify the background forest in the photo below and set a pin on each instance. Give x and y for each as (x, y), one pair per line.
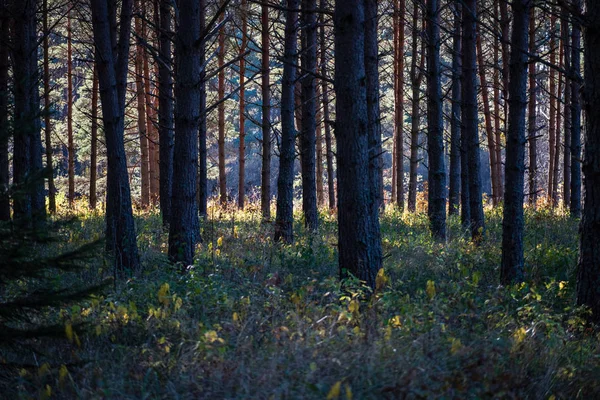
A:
(299, 199)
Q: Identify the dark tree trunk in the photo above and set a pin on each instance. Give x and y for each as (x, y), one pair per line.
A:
(27, 159)
(285, 181)
(309, 109)
(202, 150)
(242, 108)
(165, 110)
(588, 268)
(564, 52)
(398, 184)
(265, 189)
(141, 117)
(359, 254)
(151, 121)
(497, 105)
(47, 119)
(319, 161)
(575, 205)
(513, 222)
(553, 159)
(112, 75)
(470, 118)
(326, 117)
(4, 129)
(435, 127)
(532, 121)
(455, 128)
(184, 216)
(70, 141)
(221, 113)
(94, 144)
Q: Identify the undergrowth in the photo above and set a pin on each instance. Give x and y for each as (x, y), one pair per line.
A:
(256, 319)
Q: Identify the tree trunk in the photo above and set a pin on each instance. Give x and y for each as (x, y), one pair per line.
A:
(284, 218)
(4, 129)
(151, 124)
(470, 118)
(221, 113)
(576, 117)
(552, 180)
(242, 107)
(588, 268)
(435, 127)
(359, 254)
(513, 222)
(184, 216)
(319, 162)
(455, 128)
(399, 104)
(564, 52)
(47, 104)
(70, 142)
(141, 120)
(309, 109)
(497, 107)
(112, 74)
(202, 150)
(265, 190)
(94, 144)
(165, 110)
(532, 120)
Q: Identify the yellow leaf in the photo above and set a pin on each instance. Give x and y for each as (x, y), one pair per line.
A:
(353, 306)
(562, 285)
(163, 294)
(69, 331)
(552, 397)
(381, 279)
(395, 321)
(48, 391)
(236, 317)
(220, 241)
(63, 372)
(520, 335)
(334, 392)
(456, 345)
(430, 289)
(77, 341)
(178, 303)
(348, 392)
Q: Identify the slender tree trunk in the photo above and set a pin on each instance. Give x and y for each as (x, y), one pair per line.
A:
(221, 113)
(319, 163)
(112, 75)
(588, 267)
(359, 254)
(165, 110)
(285, 181)
(94, 144)
(497, 107)
(399, 105)
(470, 118)
(565, 54)
(576, 117)
(552, 189)
(4, 129)
(455, 128)
(505, 33)
(141, 120)
(47, 119)
(151, 124)
(202, 149)
(70, 142)
(532, 121)
(416, 77)
(435, 127)
(513, 222)
(242, 109)
(265, 190)
(494, 168)
(326, 117)
(309, 109)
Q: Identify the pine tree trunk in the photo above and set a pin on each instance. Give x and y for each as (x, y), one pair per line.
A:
(552, 180)
(455, 128)
(319, 161)
(4, 130)
(398, 183)
(284, 218)
(184, 218)
(265, 190)
(565, 55)
(242, 108)
(358, 252)
(202, 150)
(470, 118)
(497, 107)
(221, 113)
(141, 117)
(513, 222)
(416, 77)
(94, 144)
(532, 121)
(588, 268)
(165, 110)
(435, 127)
(70, 142)
(576, 117)
(309, 108)
(151, 125)
(47, 120)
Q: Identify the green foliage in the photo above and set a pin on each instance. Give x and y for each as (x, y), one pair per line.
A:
(256, 319)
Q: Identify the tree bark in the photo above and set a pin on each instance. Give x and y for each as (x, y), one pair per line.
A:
(552, 180)
(47, 104)
(532, 120)
(284, 218)
(398, 183)
(242, 107)
(309, 108)
(575, 206)
(165, 110)
(265, 190)
(70, 142)
(141, 117)
(513, 222)
(455, 128)
(588, 267)
(565, 54)
(435, 127)
(202, 149)
(94, 144)
(221, 113)
(112, 74)
(151, 122)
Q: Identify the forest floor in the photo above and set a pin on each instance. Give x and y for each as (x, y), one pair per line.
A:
(256, 319)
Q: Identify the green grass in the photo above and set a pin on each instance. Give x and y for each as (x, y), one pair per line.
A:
(256, 319)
